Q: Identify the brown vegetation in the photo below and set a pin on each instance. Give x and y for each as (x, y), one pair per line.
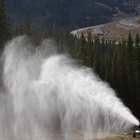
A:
(119, 31)
(114, 30)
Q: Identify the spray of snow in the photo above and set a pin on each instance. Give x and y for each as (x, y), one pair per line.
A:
(46, 94)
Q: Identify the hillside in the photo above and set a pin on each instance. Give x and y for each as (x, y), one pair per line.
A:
(110, 31)
(118, 31)
(67, 14)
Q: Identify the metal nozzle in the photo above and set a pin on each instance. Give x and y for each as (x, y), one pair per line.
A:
(136, 131)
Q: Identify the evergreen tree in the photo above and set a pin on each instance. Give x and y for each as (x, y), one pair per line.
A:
(89, 60)
(82, 51)
(102, 49)
(123, 81)
(107, 66)
(130, 56)
(27, 25)
(137, 65)
(130, 71)
(96, 55)
(5, 31)
(114, 70)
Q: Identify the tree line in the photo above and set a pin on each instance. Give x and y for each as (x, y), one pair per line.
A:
(117, 64)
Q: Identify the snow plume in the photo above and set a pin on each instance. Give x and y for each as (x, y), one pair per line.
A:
(47, 96)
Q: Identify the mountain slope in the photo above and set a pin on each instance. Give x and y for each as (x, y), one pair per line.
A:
(67, 14)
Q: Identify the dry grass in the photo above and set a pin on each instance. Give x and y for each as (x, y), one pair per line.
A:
(116, 28)
(118, 31)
